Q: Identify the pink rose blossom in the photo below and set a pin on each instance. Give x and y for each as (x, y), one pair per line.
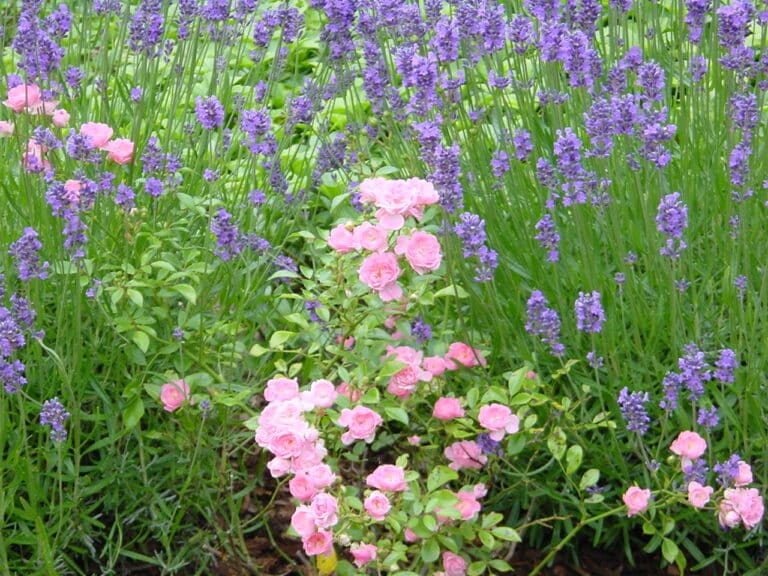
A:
(6, 128)
(322, 393)
(447, 409)
(464, 355)
(173, 394)
(60, 118)
(741, 505)
(325, 508)
(303, 521)
(380, 271)
(301, 487)
(636, 500)
(353, 395)
(414, 440)
(387, 477)
(422, 250)
(33, 159)
(366, 236)
(319, 542)
(465, 454)
(279, 467)
(403, 383)
(279, 389)
(321, 475)
(341, 239)
(362, 423)
(410, 536)
(453, 564)
(23, 96)
(468, 506)
(435, 365)
(698, 495)
(499, 420)
(424, 191)
(286, 444)
(98, 133)
(363, 553)
(377, 505)
(479, 490)
(689, 445)
(743, 475)
(120, 150)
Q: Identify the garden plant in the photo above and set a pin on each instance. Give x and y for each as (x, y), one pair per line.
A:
(382, 286)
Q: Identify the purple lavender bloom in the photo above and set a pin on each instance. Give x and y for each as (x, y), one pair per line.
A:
(672, 220)
(697, 68)
(54, 415)
(708, 418)
(421, 330)
(633, 410)
(257, 197)
(26, 253)
(650, 78)
(311, 306)
(11, 333)
(80, 147)
(743, 111)
(471, 231)
(548, 237)
(136, 94)
(523, 144)
(544, 322)
(738, 162)
(35, 41)
(520, 33)
(726, 365)
(594, 360)
(740, 283)
(733, 22)
(124, 197)
(567, 150)
(210, 112)
(228, 240)
(445, 177)
(146, 29)
(287, 264)
(74, 77)
(696, 18)
(589, 312)
(12, 375)
(499, 163)
(488, 445)
(727, 471)
(154, 187)
(695, 471)
(694, 371)
(488, 262)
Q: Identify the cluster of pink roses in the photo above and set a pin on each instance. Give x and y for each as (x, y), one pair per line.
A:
(738, 505)
(395, 200)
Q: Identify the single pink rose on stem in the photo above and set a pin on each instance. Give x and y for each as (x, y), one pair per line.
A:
(380, 271)
(341, 239)
(465, 454)
(422, 250)
(499, 420)
(280, 389)
(322, 393)
(636, 500)
(98, 133)
(453, 564)
(377, 505)
(464, 355)
(689, 445)
(435, 365)
(387, 477)
(743, 475)
(367, 236)
(302, 488)
(319, 542)
(120, 150)
(22, 97)
(174, 394)
(447, 409)
(363, 553)
(361, 423)
(698, 494)
(741, 505)
(325, 508)
(303, 521)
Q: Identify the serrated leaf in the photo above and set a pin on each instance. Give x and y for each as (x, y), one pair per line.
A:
(141, 340)
(506, 533)
(258, 350)
(133, 413)
(279, 338)
(589, 478)
(573, 459)
(188, 291)
(440, 475)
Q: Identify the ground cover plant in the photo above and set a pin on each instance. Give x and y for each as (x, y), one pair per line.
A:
(436, 277)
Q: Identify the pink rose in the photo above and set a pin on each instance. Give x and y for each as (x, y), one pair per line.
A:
(689, 445)
(435, 365)
(303, 521)
(321, 475)
(636, 500)
(363, 553)
(741, 505)
(362, 423)
(98, 133)
(447, 409)
(120, 150)
(370, 237)
(743, 475)
(322, 393)
(60, 118)
(422, 250)
(286, 444)
(377, 505)
(499, 420)
(301, 487)
(424, 191)
(341, 240)
(280, 389)
(403, 383)
(22, 97)
(453, 564)
(173, 394)
(698, 495)
(465, 454)
(414, 440)
(347, 392)
(468, 506)
(6, 128)
(410, 536)
(387, 477)
(33, 159)
(464, 355)
(319, 542)
(380, 271)
(325, 508)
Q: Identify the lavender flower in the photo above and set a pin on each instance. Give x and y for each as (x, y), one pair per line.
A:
(740, 283)
(12, 375)
(672, 220)
(146, 29)
(594, 360)
(708, 418)
(488, 445)
(727, 471)
(695, 471)
(523, 144)
(210, 112)
(228, 240)
(633, 410)
(589, 312)
(672, 384)
(726, 364)
(25, 251)
(54, 415)
(694, 371)
(421, 330)
(544, 322)
(548, 237)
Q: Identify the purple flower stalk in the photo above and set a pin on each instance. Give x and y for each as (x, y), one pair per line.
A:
(548, 237)
(694, 371)
(228, 240)
(210, 112)
(726, 365)
(421, 330)
(26, 253)
(672, 220)
(54, 415)
(633, 410)
(544, 323)
(589, 312)
(708, 418)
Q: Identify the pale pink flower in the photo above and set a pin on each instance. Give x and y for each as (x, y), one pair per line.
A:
(479, 490)
(303, 521)
(325, 508)
(47, 107)
(321, 475)
(464, 355)
(698, 494)
(414, 440)
(322, 393)
(33, 159)
(60, 118)
(453, 564)
(345, 390)
(286, 444)
(743, 475)
(424, 191)
(468, 506)
(120, 150)
(370, 187)
(499, 420)
(447, 409)
(395, 200)
(340, 239)
(98, 133)
(370, 237)
(410, 536)
(465, 454)
(422, 250)
(743, 505)
(435, 365)
(403, 383)
(387, 477)
(380, 271)
(362, 423)
(301, 487)
(689, 445)
(6, 128)
(363, 553)
(279, 389)
(377, 505)
(23, 96)
(636, 500)
(173, 394)
(319, 542)
(279, 467)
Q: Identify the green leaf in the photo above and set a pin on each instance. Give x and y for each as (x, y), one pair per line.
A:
(141, 340)
(573, 459)
(136, 297)
(430, 551)
(430, 523)
(492, 519)
(556, 443)
(371, 396)
(188, 291)
(506, 533)
(669, 550)
(439, 476)
(487, 539)
(279, 338)
(476, 568)
(452, 290)
(133, 413)
(521, 398)
(389, 368)
(515, 380)
(397, 413)
(258, 350)
(500, 565)
(297, 319)
(589, 478)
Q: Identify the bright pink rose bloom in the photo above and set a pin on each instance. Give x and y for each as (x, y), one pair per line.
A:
(279, 389)
(98, 133)
(6, 128)
(422, 250)
(60, 118)
(424, 191)
(465, 454)
(435, 365)
(499, 420)
(362, 423)
(173, 394)
(319, 542)
(370, 187)
(744, 474)
(377, 505)
(286, 444)
(303, 521)
(341, 240)
(301, 487)
(380, 271)
(387, 477)
(363, 553)
(447, 409)
(403, 383)
(453, 564)
(321, 475)
(468, 506)
(322, 393)
(120, 150)
(636, 500)
(698, 494)
(325, 508)
(689, 445)
(23, 96)
(366, 236)
(395, 200)
(464, 355)
(741, 505)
